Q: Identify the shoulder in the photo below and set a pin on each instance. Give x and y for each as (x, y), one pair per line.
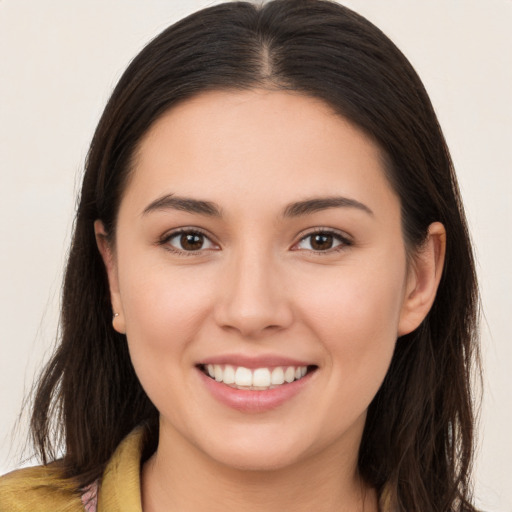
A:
(42, 488)
(38, 489)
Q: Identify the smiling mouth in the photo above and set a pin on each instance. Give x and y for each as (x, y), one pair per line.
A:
(258, 379)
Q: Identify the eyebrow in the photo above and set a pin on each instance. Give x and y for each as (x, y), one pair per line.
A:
(186, 204)
(317, 204)
(296, 209)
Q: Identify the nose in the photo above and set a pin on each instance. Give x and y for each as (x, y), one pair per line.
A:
(253, 297)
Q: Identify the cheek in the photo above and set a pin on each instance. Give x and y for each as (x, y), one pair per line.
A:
(164, 312)
(164, 309)
(365, 303)
(355, 315)
(158, 296)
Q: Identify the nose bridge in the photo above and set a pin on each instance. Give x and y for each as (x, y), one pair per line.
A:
(254, 298)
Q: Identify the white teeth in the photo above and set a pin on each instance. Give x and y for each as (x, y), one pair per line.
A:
(243, 376)
(229, 375)
(289, 374)
(259, 378)
(277, 376)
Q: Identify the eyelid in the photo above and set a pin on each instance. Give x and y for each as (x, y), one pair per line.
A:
(341, 236)
(168, 235)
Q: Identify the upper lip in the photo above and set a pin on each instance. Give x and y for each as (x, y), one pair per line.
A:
(253, 362)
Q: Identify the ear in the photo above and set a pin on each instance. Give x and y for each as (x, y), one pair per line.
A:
(423, 279)
(108, 256)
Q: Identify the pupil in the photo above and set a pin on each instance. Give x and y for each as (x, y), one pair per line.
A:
(191, 241)
(321, 242)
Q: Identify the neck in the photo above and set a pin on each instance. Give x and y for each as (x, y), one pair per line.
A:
(194, 482)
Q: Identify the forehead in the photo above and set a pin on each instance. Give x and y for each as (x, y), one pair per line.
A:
(254, 146)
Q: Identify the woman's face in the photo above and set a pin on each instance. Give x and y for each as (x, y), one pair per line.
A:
(258, 233)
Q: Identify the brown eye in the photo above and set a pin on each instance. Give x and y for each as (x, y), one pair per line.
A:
(190, 241)
(322, 242)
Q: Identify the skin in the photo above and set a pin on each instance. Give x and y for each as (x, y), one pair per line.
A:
(257, 287)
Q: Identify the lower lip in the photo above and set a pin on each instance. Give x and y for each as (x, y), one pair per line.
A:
(251, 401)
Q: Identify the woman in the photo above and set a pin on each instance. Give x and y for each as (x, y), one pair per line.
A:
(270, 299)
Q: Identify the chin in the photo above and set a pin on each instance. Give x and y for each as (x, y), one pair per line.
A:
(257, 460)
(257, 453)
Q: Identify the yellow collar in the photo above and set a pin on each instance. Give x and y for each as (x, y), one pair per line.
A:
(120, 485)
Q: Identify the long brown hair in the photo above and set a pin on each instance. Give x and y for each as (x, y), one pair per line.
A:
(418, 438)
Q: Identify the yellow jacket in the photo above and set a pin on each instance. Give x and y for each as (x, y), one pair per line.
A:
(40, 489)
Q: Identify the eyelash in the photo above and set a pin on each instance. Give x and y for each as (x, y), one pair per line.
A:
(343, 240)
(164, 241)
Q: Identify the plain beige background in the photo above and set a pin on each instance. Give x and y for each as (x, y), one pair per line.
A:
(58, 63)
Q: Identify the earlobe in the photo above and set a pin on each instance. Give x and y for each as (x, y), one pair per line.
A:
(423, 279)
(108, 256)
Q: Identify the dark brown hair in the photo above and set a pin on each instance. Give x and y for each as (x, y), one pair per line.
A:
(418, 439)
